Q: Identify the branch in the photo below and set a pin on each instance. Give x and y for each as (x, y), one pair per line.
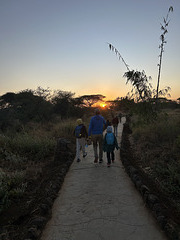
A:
(112, 48)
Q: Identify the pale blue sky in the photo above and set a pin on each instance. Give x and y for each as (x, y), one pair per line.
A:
(62, 44)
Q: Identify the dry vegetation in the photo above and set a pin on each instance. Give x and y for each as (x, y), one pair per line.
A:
(157, 149)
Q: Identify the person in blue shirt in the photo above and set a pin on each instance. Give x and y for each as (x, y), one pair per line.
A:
(95, 132)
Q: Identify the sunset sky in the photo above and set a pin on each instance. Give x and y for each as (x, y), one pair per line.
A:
(62, 44)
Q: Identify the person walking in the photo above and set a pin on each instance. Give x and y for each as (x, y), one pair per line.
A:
(81, 135)
(108, 123)
(95, 132)
(115, 122)
(109, 144)
(120, 117)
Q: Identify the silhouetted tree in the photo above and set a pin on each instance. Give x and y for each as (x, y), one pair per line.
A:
(24, 106)
(44, 93)
(63, 103)
(90, 100)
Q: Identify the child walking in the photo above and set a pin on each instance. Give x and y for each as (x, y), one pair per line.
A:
(81, 135)
(109, 144)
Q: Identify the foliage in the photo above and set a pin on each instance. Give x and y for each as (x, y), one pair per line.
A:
(163, 41)
(123, 104)
(23, 154)
(28, 147)
(12, 186)
(24, 106)
(112, 48)
(64, 128)
(44, 93)
(158, 148)
(90, 100)
(142, 90)
(65, 105)
(18, 109)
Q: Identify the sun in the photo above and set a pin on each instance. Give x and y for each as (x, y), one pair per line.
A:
(103, 105)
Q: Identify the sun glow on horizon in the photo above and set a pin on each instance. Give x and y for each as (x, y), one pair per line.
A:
(102, 105)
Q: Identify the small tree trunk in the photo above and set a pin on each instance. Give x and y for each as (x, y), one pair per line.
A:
(159, 74)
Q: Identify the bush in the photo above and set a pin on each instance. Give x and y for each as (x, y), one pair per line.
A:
(27, 147)
(164, 130)
(157, 147)
(12, 186)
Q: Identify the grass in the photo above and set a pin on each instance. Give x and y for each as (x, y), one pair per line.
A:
(157, 147)
(23, 154)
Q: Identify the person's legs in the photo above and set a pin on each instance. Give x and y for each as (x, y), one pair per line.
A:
(82, 144)
(94, 140)
(115, 130)
(112, 156)
(108, 158)
(100, 141)
(78, 149)
(114, 127)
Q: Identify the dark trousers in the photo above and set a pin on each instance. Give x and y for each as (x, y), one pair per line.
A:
(110, 156)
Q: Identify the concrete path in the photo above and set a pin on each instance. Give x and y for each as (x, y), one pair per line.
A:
(100, 203)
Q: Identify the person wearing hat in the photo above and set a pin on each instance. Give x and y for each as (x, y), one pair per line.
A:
(95, 132)
(80, 133)
(109, 144)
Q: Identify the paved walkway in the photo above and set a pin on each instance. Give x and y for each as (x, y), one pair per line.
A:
(100, 203)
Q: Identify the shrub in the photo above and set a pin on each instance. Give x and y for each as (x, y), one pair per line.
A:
(164, 130)
(12, 186)
(26, 146)
(157, 146)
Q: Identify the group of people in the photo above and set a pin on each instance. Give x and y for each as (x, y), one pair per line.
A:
(108, 143)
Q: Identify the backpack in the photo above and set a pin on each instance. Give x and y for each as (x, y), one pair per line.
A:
(110, 138)
(78, 131)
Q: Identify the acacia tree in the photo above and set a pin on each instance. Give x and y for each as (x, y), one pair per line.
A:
(89, 100)
(161, 46)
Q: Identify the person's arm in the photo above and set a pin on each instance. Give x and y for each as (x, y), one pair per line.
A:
(104, 124)
(85, 132)
(90, 128)
(104, 143)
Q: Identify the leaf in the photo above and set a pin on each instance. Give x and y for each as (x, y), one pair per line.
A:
(171, 9)
(162, 27)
